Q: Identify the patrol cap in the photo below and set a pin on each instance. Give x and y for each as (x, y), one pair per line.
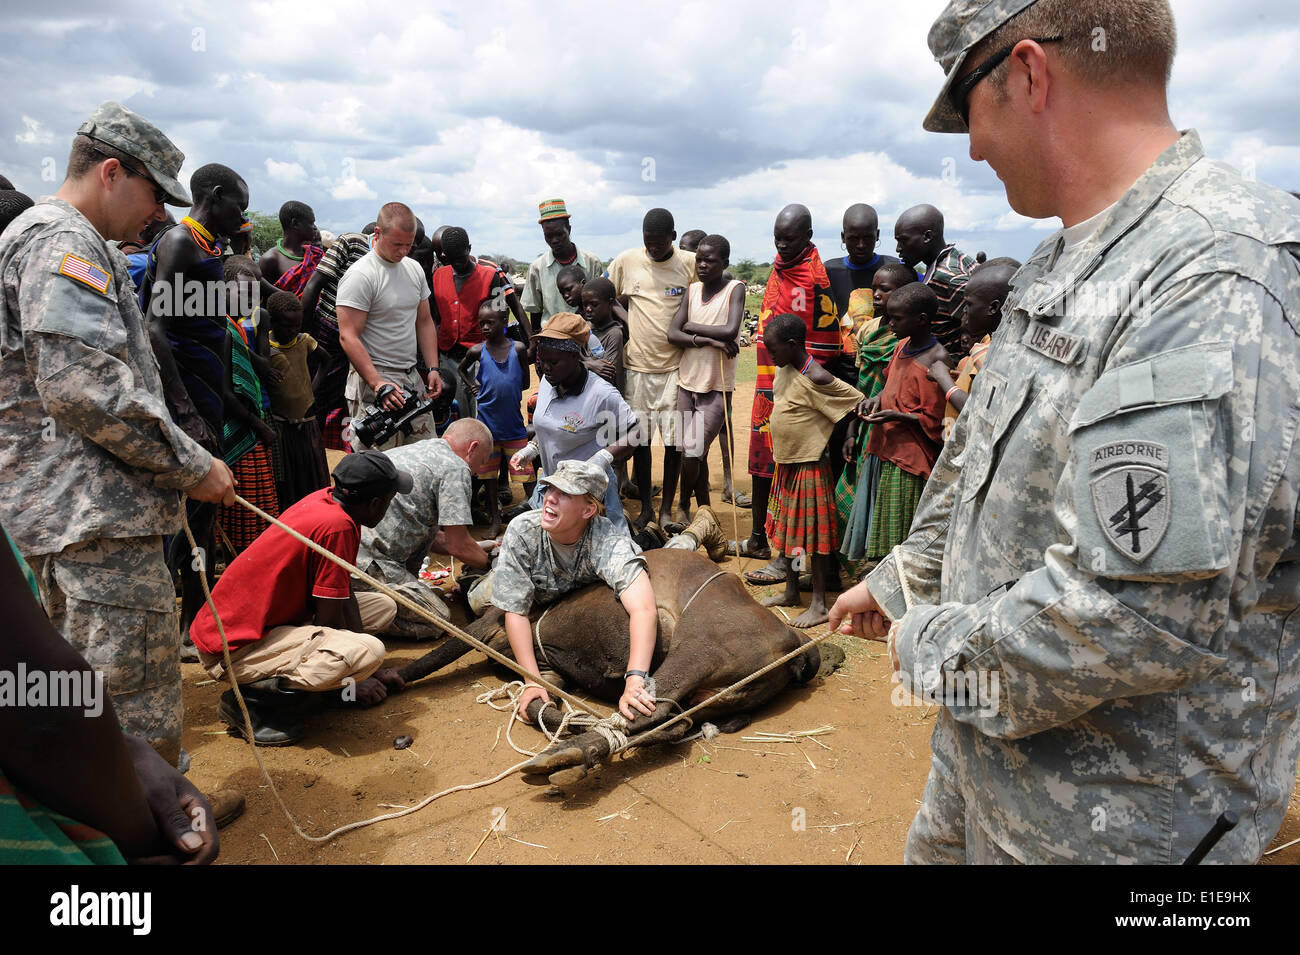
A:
(370, 474)
(116, 126)
(566, 331)
(578, 477)
(961, 25)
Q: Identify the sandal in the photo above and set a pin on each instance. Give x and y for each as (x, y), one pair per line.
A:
(738, 499)
(746, 549)
(773, 573)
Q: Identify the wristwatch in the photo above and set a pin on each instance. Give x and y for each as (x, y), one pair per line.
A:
(641, 673)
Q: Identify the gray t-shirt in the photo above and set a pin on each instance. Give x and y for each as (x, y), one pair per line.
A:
(440, 498)
(390, 292)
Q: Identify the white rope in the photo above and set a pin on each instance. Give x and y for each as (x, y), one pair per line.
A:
(693, 596)
(612, 728)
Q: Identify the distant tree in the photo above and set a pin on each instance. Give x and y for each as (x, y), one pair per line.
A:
(266, 231)
(744, 270)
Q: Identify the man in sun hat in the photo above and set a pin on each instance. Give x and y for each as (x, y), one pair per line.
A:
(541, 298)
(1112, 563)
(94, 466)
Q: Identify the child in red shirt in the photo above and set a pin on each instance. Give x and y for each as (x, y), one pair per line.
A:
(907, 416)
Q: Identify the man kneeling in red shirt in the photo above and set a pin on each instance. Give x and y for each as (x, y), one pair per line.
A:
(295, 628)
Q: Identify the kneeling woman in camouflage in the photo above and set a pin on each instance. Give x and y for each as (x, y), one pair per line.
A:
(567, 544)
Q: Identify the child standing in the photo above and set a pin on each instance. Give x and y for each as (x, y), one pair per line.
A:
(246, 440)
(906, 417)
(498, 387)
(705, 328)
(808, 401)
(875, 345)
(298, 453)
(981, 313)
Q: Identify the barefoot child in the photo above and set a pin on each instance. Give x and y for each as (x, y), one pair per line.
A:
(808, 401)
(705, 328)
(498, 387)
(875, 343)
(298, 452)
(906, 417)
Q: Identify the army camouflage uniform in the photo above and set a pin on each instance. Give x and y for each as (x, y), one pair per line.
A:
(530, 572)
(92, 464)
(393, 549)
(1111, 532)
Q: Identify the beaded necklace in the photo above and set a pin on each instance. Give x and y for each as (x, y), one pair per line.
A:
(202, 237)
(279, 244)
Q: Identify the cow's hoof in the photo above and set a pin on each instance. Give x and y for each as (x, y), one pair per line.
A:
(560, 756)
(566, 778)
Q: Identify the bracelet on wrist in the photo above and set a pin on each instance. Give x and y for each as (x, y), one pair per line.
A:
(948, 395)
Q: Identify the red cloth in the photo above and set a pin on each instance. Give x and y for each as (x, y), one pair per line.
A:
(271, 583)
(801, 288)
(458, 310)
(911, 445)
(295, 280)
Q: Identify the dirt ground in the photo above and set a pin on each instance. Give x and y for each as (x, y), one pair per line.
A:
(847, 796)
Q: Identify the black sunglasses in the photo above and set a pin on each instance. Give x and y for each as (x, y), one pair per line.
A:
(159, 194)
(959, 92)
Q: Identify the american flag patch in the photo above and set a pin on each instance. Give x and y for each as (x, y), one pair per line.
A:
(75, 267)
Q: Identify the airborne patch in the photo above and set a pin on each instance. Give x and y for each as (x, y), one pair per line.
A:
(1132, 506)
(75, 267)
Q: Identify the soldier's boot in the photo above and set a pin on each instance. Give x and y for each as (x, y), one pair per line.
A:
(227, 805)
(705, 530)
(274, 710)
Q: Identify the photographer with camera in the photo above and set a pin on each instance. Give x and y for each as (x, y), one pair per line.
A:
(383, 314)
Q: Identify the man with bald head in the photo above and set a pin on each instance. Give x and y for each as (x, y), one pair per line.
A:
(433, 518)
(384, 318)
(919, 234)
(798, 285)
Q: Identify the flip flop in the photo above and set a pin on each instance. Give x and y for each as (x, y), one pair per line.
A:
(773, 573)
(743, 549)
(738, 499)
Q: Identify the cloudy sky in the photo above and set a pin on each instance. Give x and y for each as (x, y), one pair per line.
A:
(472, 113)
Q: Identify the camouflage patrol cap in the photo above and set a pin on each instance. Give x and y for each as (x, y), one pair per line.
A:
(578, 477)
(115, 125)
(961, 25)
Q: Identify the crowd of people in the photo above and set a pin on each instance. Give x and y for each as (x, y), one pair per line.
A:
(1015, 472)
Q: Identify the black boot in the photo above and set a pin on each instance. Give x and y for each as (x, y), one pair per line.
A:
(275, 712)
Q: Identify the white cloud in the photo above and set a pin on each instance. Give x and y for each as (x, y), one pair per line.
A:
(286, 172)
(35, 133)
(352, 188)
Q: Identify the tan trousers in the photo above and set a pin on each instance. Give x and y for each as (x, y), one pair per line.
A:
(315, 658)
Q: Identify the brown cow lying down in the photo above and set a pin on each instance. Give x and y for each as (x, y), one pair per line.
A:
(723, 636)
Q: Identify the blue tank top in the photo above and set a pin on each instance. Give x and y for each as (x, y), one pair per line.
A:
(500, 391)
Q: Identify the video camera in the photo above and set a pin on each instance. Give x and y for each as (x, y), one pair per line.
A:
(380, 424)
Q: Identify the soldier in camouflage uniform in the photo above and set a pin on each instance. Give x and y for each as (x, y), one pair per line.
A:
(93, 467)
(1107, 542)
(435, 517)
(563, 545)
